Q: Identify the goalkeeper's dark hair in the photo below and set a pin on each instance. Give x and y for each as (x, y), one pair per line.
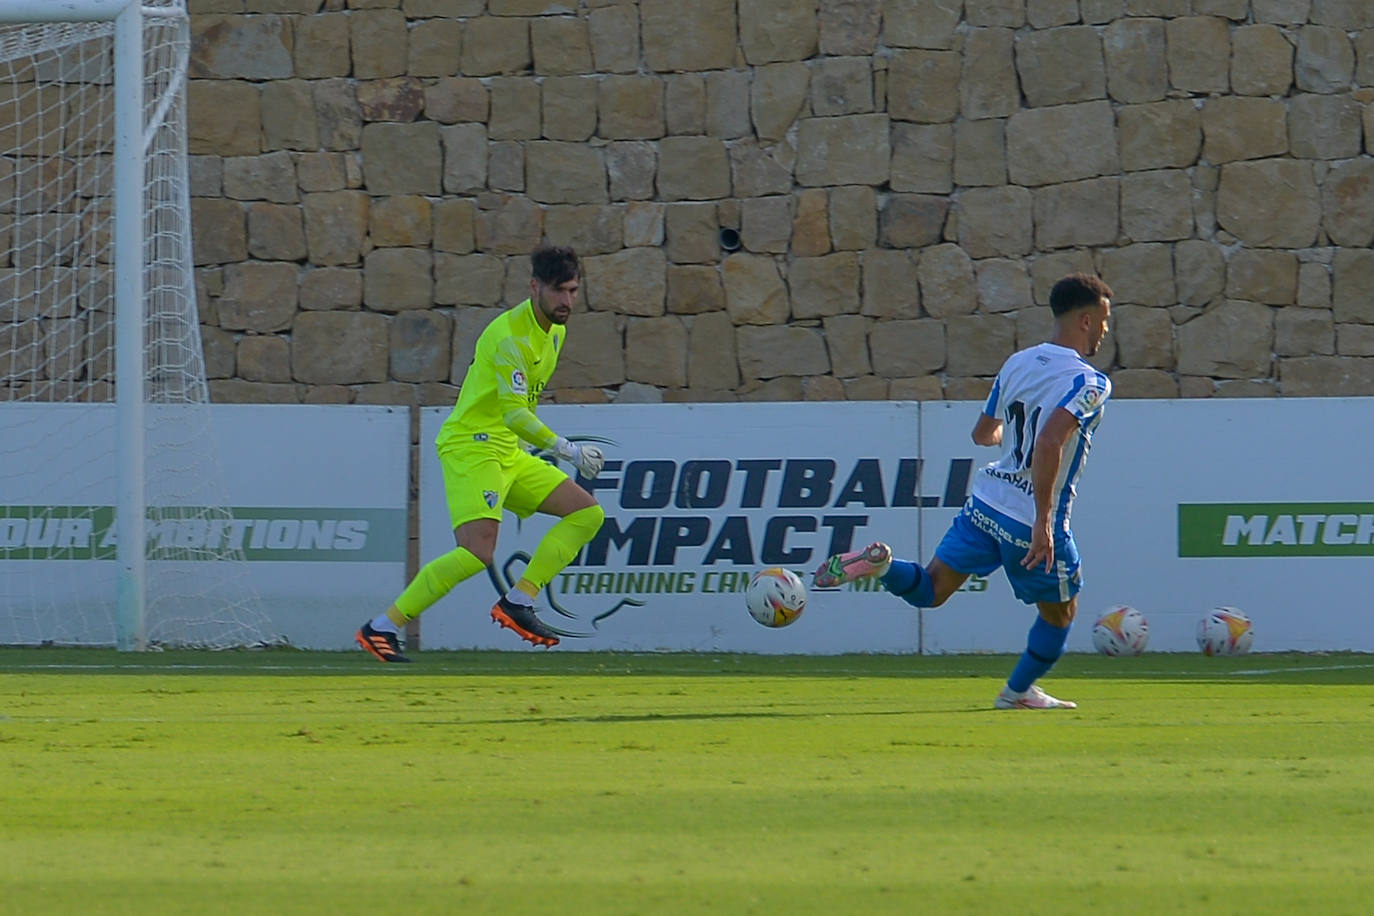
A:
(1077, 291)
(555, 265)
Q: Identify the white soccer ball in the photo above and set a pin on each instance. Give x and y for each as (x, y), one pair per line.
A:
(775, 597)
(1225, 631)
(1121, 630)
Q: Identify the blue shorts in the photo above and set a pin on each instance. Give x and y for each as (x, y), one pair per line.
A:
(982, 539)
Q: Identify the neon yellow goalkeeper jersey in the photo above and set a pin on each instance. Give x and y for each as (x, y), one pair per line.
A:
(510, 367)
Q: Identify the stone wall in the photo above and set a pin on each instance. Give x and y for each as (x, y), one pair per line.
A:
(906, 179)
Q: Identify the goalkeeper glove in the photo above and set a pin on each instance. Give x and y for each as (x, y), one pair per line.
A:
(586, 458)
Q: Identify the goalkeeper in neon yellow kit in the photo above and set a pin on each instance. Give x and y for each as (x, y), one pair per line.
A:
(486, 469)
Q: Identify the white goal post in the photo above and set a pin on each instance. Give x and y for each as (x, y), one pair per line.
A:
(107, 455)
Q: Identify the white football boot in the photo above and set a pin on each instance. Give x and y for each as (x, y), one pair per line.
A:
(1034, 698)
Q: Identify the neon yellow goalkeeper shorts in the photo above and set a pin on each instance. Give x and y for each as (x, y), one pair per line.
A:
(480, 482)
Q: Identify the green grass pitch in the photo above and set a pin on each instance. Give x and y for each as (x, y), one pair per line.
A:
(512, 783)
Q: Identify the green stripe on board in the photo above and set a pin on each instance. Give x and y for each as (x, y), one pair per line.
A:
(1337, 529)
(257, 534)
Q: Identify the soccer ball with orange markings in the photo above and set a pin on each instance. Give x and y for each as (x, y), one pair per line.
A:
(775, 597)
(1121, 630)
(1225, 631)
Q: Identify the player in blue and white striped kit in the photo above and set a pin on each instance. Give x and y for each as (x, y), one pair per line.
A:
(1044, 406)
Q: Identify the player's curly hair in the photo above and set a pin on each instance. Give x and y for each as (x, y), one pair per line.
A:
(555, 265)
(1078, 291)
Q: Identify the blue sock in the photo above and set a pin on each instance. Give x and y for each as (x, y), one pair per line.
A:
(1044, 645)
(909, 582)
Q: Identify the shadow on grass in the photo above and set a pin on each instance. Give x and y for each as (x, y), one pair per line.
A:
(642, 718)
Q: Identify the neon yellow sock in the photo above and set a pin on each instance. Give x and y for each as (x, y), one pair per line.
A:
(435, 580)
(561, 544)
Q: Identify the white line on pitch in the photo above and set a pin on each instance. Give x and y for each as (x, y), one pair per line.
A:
(1302, 668)
(814, 672)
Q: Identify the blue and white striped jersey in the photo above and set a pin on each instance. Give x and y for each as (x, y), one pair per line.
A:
(1031, 384)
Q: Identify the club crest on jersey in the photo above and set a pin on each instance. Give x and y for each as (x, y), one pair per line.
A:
(517, 382)
(490, 497)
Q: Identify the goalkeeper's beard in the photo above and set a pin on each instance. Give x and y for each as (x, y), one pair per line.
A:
(557, 314)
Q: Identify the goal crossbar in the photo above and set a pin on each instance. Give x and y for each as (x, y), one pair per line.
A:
(14, 11)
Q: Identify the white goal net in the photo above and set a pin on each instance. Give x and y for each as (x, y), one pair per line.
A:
(82, 431)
